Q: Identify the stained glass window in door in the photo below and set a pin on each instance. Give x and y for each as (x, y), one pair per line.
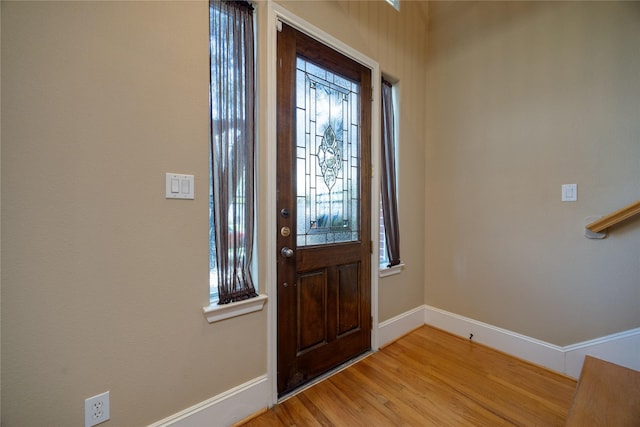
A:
(327, 156)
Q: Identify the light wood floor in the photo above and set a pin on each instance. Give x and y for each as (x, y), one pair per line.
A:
(430, 378)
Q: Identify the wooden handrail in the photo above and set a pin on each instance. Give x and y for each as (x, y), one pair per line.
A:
(614, 217)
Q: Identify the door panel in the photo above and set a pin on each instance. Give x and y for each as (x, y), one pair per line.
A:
(312, 303)
(348, 302)
(323, 202)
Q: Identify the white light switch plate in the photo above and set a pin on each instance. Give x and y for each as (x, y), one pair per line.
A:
(569, 192)
(179, 186)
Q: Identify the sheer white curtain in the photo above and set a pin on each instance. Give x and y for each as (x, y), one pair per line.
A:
(232, 146)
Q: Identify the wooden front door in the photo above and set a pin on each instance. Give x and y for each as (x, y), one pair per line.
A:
(323, 202)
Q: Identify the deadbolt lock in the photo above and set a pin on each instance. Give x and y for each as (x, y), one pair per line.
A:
(285, 231)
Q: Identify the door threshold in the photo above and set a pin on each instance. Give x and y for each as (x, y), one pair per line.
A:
(324, 376)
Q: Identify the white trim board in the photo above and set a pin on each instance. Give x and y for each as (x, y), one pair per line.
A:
(521, 346)
(394, 328)
(622, 348)
(253, 396)
(225, 409)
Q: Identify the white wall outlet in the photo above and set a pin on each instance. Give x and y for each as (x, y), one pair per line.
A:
(569, 192)
(96, 409)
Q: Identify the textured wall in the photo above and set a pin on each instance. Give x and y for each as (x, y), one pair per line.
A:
(104, 279)
(523, 97)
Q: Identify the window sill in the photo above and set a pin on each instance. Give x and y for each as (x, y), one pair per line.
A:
(216, 313)
(396, 269)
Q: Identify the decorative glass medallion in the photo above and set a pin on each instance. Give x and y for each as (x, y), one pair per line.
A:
(329, 157)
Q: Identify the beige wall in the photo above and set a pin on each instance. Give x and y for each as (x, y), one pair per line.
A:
(0, 219)
(104, 279)
(523, 97)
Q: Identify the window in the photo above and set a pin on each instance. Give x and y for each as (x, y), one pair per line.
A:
(394, 3)
(232, 143)
(389, 227)
(384, 257)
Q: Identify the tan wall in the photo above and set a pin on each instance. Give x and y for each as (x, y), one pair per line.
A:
(523, 97)
(0, 219)
(104, 279)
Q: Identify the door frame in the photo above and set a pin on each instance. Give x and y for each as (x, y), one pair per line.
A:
(276, 15)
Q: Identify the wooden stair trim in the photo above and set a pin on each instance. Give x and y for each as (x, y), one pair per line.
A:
(614, 217)
(607, 395)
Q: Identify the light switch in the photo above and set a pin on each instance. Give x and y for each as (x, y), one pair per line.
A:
(175, 185)
(569, 192)
(179, 186)
(184, 186)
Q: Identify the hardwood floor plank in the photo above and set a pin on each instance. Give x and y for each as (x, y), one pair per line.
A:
(412, 405)
(372, 404)
(435, 396)
(306, 407)
(266, 418)
(325, 398)
(430, 378)
(494, 379)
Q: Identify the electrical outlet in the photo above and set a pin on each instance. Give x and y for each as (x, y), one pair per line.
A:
(96, 409)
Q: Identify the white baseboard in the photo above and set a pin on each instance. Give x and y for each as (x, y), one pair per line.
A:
(251, 397)
(392, 329)
(521, 346)
(621, 348)
(224, 409)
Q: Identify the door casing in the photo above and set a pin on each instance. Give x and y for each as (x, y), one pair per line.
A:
(276, 15)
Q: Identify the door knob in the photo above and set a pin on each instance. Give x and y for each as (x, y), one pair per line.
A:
(286, 252)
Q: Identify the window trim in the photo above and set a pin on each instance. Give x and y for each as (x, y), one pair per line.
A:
(215, 312)
(390, 271)
(383, 269)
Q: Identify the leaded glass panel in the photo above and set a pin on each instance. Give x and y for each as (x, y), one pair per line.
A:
(327, 150)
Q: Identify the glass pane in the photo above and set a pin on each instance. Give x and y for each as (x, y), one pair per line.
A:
(327, 151)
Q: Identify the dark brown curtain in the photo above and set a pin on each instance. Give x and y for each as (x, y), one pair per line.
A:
(388, 191)
(232, 146)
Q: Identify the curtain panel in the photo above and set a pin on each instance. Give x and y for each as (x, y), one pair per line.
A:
(232, 146)
(388, 190)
